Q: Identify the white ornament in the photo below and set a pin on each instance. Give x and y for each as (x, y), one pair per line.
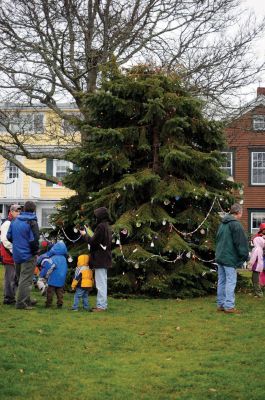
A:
(70, 259)
(241, 202)
(138, 224)
(188, 255)
(166, 202)
(46, 234)
(124, 187)
(196, 197)
(241, 192)
(90, 197)
(136, 266)
(230, 179)
(75, 230)
(135, 250)
(118, 241)
(152, 244)
(202, 231)
(164, 222)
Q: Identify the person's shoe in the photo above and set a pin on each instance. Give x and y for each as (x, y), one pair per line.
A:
(74, 309)
(232, 311)
(220, 309)
(96, 309)
(32, 302)
(9, 302)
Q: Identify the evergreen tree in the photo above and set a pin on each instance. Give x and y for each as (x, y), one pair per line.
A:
(151, 157)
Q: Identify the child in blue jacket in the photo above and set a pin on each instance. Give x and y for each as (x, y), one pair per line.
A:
(54, 270)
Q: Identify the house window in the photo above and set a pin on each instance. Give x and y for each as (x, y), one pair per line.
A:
(12, 170)
(61, 168)
(22, 123)
(45, 215)
(258, 168)
(227, 164)
(256, 218)
(58, 168)
(259, 122)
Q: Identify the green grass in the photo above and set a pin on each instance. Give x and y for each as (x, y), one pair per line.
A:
(138, 349)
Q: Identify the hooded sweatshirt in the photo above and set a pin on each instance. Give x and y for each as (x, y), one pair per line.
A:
(256, 261)
(54, 265)
(100, 242)
(23, 233)
(231, 243)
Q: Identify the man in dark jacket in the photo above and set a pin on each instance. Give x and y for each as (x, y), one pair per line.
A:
(231, 252)
(100, 255)
(23, 233)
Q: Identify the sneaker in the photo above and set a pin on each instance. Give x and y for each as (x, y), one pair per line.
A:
(32, 302)
(220, 309)
(9, 302)
(96, 309)
(232, 311)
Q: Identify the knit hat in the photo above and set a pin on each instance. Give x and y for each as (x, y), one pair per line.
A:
(83, 260)
(262, 227)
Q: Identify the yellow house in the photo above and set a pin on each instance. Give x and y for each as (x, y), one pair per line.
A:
(40, 130)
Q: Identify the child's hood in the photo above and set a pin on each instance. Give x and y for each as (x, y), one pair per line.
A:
(82, 260)
(58, 249)
(259, 242)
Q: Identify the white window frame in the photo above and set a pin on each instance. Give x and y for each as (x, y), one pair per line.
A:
(68, 165)
(258, 158)
(13, 171)
(227, 168)
(258, 122)
(258, 217)
(52, 211)
(23, 123)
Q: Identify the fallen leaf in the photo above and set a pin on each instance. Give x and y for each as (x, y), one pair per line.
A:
(212, 390)
(21, 371)
(178, 328)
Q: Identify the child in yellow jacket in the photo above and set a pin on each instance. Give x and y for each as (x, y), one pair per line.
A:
(82, 282)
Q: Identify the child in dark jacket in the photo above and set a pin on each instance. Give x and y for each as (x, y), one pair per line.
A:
(82, 282)
(54, 270)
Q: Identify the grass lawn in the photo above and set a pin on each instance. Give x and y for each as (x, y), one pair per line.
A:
(138, 349)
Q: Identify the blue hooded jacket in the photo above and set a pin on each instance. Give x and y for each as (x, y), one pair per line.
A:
(23, 233)
(55, 258)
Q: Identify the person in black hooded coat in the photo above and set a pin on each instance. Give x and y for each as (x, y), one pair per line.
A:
(100, 255)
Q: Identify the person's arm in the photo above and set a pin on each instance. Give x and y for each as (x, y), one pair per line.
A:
(34, 240)
(9, 235)
(240, 241)
(97, 238)
(4, 229)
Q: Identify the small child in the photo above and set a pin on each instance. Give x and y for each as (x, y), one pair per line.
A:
(256, 264)
(54, 270)
(82, 282)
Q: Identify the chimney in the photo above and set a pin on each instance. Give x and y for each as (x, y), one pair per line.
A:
(260, 91)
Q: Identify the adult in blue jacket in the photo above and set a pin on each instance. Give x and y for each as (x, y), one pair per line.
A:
(54, 269)
(23, 233)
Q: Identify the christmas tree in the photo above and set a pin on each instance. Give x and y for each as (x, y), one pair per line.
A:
(151, 157)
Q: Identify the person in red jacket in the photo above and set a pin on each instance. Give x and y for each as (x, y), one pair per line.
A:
(10, 281)
(261, 231)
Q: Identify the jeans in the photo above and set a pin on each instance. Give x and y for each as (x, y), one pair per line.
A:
(81, 293)
(227, 278)
(101, 285)
(24, 273)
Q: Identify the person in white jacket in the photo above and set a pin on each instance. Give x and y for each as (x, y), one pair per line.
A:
(10, 281)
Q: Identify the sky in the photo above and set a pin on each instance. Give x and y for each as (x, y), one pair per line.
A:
(258, 6)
